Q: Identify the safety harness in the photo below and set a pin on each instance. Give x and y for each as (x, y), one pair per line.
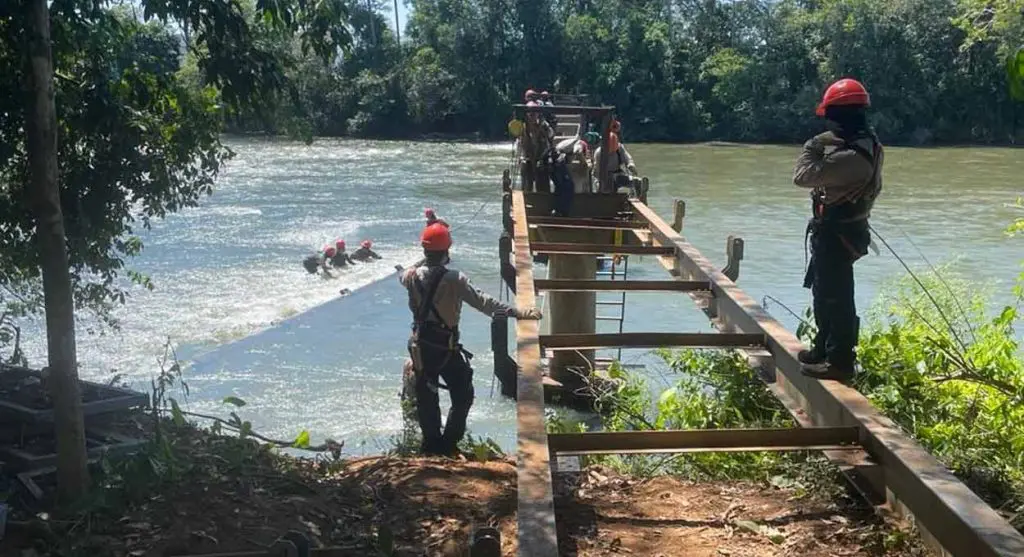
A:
(854, 210)
(426, 308)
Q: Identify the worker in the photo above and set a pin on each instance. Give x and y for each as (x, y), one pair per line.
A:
(436, 294)
(318, 261)
(340, 257)
(621, 168)
(364, 253)
(570, 172)
(545, 99)
(530, 96)
(539, 139)
(843, 166)
(432, 217)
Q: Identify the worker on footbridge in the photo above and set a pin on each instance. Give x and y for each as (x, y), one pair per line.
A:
(843, 166)
(436, 294)
(621, 168)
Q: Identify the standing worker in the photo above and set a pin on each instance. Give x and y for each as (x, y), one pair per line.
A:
(621, 168)
(436, 294)
(364, 253)
(844, 167)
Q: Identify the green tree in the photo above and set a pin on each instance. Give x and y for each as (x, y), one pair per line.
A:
(131, 139)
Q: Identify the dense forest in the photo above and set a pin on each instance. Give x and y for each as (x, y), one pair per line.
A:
(678, 70)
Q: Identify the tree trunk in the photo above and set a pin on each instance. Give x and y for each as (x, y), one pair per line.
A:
(41, 131)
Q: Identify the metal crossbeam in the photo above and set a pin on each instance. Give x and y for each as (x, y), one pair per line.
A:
(597, 224)
(704, 440)
(567, 285)
(648, 340)
(598, 249)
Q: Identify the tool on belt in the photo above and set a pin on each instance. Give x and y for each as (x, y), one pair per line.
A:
(427, 307)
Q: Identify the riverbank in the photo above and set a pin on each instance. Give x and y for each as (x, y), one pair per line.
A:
(193, 491)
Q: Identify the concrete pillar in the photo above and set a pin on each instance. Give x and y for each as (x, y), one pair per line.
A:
(572, 312)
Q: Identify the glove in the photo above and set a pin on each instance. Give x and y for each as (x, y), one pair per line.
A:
(631, 168)
(532, 314)
(822, 140)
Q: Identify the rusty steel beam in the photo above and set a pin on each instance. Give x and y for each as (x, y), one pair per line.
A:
(648, 340)
(568, 285)
(598, 249)
(536, 508)
(949, 512)
(704, 440)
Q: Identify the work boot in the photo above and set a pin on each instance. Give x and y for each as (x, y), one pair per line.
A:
(843, 373)
(812, 359)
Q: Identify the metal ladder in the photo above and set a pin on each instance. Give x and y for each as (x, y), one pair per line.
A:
(618, 271)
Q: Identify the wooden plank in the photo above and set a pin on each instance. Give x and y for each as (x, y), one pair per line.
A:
(957, 518)
(648, 340)
(536, 507)
(564, 285)
(598, 249)
(704, 440)
(569, 222)
(566, 109)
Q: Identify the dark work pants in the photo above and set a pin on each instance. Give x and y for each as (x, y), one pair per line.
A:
(830, 278)
(458, 376)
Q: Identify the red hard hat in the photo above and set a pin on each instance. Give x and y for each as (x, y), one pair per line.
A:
(533, 103)
(545, 94)
(340, 244)
(529, 94)
(330, 251)
(845, 92)
(366, 244)
(436, 238)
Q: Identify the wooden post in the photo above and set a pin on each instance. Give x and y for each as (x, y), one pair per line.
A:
(41, 134)
(603, 176)
(678, 215)
(572, 312)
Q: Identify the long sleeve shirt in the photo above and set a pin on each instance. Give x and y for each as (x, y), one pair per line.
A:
(827, 164)
(453, 290)
(617, 160)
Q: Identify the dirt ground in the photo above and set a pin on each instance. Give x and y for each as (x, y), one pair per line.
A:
(427, 506)
(603, 514)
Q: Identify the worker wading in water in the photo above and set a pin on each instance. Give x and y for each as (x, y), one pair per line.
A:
(364, 253)
(436, 294)
(318, 261)
(844, 168)
(340, 258)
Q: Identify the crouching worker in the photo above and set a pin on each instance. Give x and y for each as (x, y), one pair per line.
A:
(318, 261)
(364, 253)
(436, 294)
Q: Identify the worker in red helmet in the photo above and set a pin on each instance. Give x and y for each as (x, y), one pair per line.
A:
(530, 96)
(341, 258)
(436, 294)
(318, 261)
(843, 168)
(364, 253)
(432, 217)
(620, 165)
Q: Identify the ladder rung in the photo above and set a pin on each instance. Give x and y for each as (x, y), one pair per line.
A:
(649, 340)
(610, 303)
(609, 318)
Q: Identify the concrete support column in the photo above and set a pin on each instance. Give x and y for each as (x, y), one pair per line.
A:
(572, 312)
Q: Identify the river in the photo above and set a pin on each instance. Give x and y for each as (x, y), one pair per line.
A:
(231, 268)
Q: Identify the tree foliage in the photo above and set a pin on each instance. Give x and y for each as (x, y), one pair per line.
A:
(140, 110)
(685, 70)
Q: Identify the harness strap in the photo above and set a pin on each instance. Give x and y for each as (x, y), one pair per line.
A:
(427, 299)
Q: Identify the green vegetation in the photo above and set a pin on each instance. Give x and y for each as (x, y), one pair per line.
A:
(685, 70)
(933, 361)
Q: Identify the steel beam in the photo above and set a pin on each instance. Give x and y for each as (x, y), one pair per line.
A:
(598, 249)
(584, 205)
(536, 508)
(567, 222)
(564, 285)
(950, 512)
(648, 340)
(704, 440)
